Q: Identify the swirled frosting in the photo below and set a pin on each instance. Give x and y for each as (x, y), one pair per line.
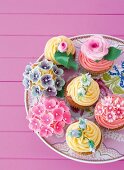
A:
(91, 95)
(109, 112)
(91, 65)
(80, 144)
(52, 46)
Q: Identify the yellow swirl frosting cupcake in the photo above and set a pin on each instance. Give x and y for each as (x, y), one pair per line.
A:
(83, 136)
(60, 50)
(82, 91)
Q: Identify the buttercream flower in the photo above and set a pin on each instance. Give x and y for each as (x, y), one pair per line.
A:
(46, 80)
(86, 79)
(45, 65)
(58, 114)
(81, 92)
(95, 48)
(67, 117)
(50, 103)
(36, 91)
(47, 119)
(26, 82)
(119, 113)
(63, 105)
(35, 75)
(38, 109)
(107, 101)
(28, 69)
(57, 71)
(59, 83)
(76, 133)
(58, 127)
(62, 47)
(50, 91)
(46, 131)
(110, 116)
(34, 124)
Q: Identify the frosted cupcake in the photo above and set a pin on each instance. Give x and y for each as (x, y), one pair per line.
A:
(96, 55)
(60, 50)
(82, 91)
(109, 112)
(83, 136)
(43, 79)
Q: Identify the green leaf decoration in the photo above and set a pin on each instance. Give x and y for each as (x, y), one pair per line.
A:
(112, 54)
(91, 143)
(66, 60)
(118, 90)
(106, 77)
(61, 93)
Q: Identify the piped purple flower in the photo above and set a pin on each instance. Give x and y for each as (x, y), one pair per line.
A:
(50, 91)
(45, 65)
(59, 83)
(57, 71)
(46, 80)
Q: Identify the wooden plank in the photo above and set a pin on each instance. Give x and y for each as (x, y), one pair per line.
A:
(61, 24)
(25, 46)
(11, 93)
(13, 119)
(61, 7)
(24, 145)
(16, 164)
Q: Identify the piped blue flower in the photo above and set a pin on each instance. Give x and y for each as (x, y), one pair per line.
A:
(46, 80)
(59, 83)
(26, 82)
(36, 91)
(45, 65)
(28, 69)
(35, 75)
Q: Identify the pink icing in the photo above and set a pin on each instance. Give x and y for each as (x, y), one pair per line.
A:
(91, 65)
(109, 112)
(95, 47)
(49, 116)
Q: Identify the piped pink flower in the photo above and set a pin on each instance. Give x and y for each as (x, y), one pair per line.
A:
(46, 131)
(95, 48)
(63, 105)
(38, 109)
(34, 124)
(58, 128)
(107, 101)
(50, 103)
(62, 47)
(110, 117)
(119, 113)
(58, 114)
(67, 117)
(47, 119)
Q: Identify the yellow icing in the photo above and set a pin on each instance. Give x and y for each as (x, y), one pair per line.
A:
(91, 95)
(92, 132)
(52, 46)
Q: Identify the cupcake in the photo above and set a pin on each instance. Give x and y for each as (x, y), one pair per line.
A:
(82, 91)
(61, 51)
(96, 55)
(83, 136)
(49, 117)
(109, 112)
(43, 78)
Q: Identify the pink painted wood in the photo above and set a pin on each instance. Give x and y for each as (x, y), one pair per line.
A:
(25, 26)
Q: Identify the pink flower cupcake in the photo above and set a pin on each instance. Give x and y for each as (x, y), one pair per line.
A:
(96, 55)
(109, 112)
(49, 116)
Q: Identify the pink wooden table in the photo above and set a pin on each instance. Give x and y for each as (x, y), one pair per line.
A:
(25, 26)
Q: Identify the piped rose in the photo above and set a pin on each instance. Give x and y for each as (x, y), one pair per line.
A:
(62, 47)
(97, 48)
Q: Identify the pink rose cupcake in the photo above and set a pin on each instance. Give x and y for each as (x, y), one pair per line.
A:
(109, 112)
(96, 56)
